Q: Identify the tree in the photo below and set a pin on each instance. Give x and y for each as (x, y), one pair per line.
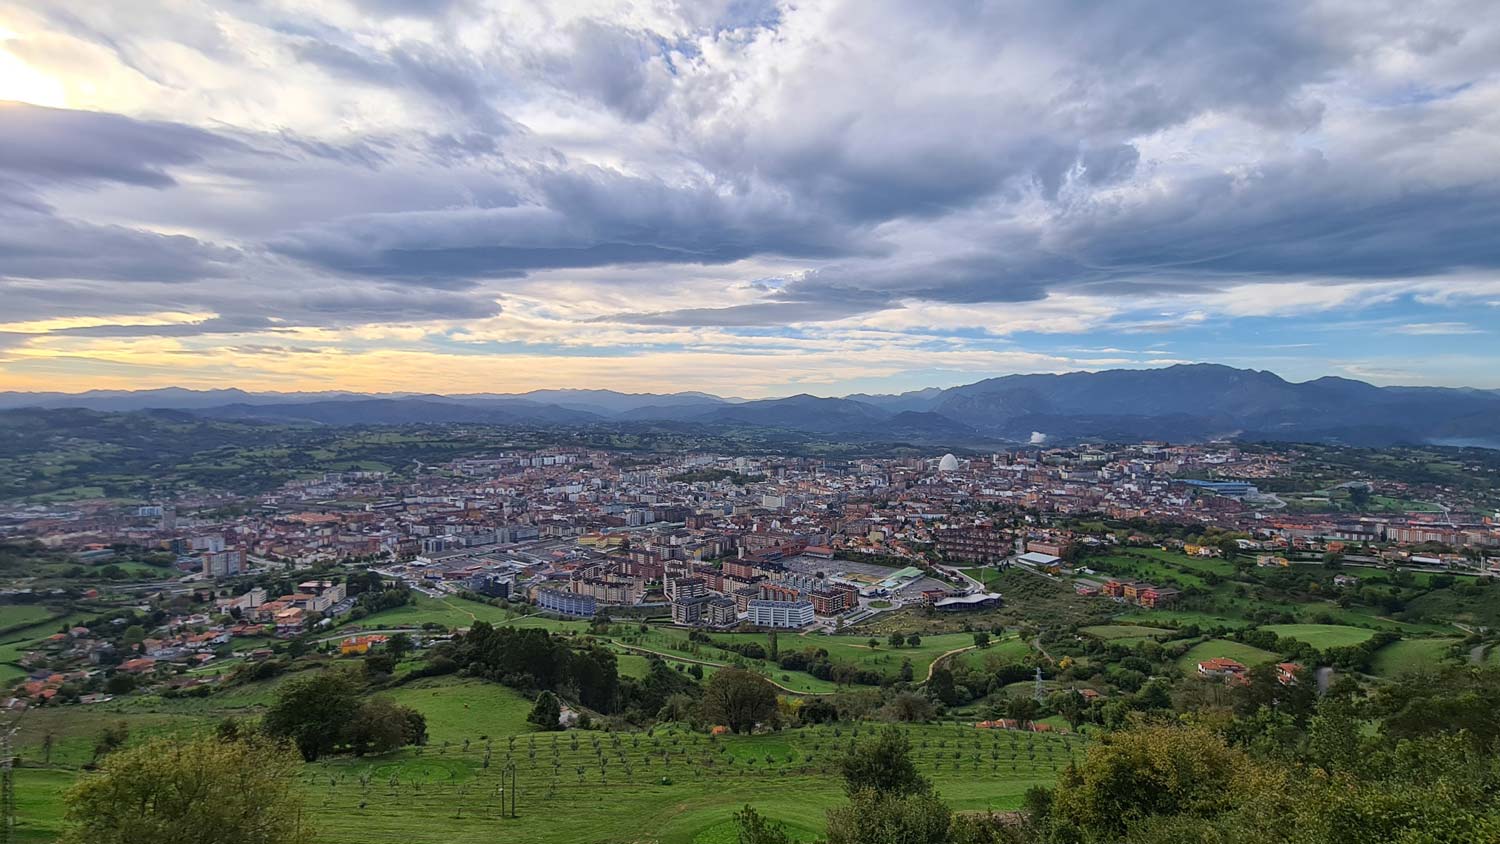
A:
(738, 699)
(908, 707)
(547, 712)
(883, 765)
(1146, 772)
(313, 712)
(398, 645)
(754, 829)
(197, 792)
(380, 726)
(873, 643)
(112, 738)
(874, 817)
(981, 639)
(940, 684)
(914, 640)
(895, 640)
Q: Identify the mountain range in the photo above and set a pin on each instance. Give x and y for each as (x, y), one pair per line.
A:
(1189, 402)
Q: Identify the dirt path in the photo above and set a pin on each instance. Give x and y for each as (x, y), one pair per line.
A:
(942, 656)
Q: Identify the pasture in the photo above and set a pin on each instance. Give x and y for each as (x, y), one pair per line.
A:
(1110, 632)
(664, 785)
(1410, 654)
(1249, 656)
(1322, 636)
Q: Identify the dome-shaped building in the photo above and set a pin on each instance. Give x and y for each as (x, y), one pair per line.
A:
(949, 463)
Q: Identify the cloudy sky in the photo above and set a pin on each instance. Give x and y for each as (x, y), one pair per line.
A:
(749, 198)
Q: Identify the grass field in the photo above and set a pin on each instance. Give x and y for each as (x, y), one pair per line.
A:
(14, 616)
(670, 785)
(1408, 654)
(449, 611)
(1000, 652)
(1243, 653)
(1181, 617)
(1110, 632)
(460, 709)
(846, 649)
(1322, 636)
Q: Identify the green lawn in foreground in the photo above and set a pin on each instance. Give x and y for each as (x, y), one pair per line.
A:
(1408, 654)
(1243, 653)
(669, 785)
(1322, 636)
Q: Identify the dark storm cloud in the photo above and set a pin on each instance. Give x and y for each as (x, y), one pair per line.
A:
(458, 80)
(781, 310)
(616, 67)
(41, 245)
(908, 145)
(40, 145)
(586, 217)
(956, 152)
(215, 325)
(1294, 221)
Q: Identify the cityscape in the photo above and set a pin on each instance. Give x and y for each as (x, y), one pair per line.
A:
(749, 422)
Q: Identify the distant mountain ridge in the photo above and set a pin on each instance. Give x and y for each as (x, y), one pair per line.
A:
(1187, 402)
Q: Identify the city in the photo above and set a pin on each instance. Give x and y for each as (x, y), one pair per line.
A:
(749, 422)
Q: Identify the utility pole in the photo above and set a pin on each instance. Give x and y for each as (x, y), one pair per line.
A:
(1041, 692)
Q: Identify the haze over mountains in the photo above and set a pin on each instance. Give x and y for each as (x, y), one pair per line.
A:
(1189, 402)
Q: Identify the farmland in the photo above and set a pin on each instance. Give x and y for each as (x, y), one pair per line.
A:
(678, 784)
(1246, 654)
(1410, 654)
(1322, 636)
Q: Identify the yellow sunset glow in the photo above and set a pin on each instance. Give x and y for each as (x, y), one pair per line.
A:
(23, 83)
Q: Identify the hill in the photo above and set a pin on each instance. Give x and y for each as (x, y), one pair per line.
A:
(1183, 403)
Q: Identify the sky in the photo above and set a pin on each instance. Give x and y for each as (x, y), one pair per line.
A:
(746, 198)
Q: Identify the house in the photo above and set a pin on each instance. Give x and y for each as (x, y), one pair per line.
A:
(1221, 667)
(1286, 673)
(289, 622)
(139, 665)
(1157, 596)
(355, 645)
(1267, 561)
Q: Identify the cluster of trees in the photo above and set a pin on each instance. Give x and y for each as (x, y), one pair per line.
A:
(1349, 658)
(714, 476)
(325, 713)
(535, 660)
(1415, 762)
(239, 788)
(813, 660)
(896, 640)
(889, 802)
